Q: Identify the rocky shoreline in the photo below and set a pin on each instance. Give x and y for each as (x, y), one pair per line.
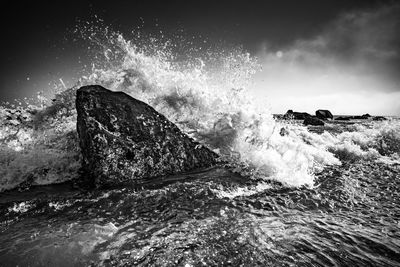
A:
(322, 116)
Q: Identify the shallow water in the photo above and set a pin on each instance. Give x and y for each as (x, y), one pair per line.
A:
(350, 218)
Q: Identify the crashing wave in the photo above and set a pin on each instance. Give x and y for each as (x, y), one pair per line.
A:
(206, 97)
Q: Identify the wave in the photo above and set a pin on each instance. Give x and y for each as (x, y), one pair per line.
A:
(205, 94)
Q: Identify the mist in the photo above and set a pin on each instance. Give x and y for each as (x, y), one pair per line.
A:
(351, 67)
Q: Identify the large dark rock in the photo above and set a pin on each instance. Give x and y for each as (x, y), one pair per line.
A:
(290, 114)
(323, 114)
(313, 121)
(125, 141)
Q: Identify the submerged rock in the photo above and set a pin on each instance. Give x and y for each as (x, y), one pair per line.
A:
(323, 114)
(283, 131)
(313, 121)
(379, 118)
(125, 141)
(362, 117)
(343, 118)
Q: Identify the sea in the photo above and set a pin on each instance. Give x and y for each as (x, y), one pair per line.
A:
(284, 194)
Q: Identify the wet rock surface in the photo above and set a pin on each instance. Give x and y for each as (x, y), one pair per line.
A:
(290, 114)
(313, 121)
(323, 114)
(125, 141)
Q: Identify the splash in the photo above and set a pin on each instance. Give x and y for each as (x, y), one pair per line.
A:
(38, 144)
(208, 98)
(205, 92)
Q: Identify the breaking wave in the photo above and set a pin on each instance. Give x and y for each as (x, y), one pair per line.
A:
(205, 93)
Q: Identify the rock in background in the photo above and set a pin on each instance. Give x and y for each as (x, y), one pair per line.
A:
(323, 114)
(313, 121)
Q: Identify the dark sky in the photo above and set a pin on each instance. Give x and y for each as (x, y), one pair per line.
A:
(37, 46)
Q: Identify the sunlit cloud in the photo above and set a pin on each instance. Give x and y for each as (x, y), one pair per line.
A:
(351, 67)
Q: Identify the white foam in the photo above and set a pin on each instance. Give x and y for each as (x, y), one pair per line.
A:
(241, 191)
(42, 156)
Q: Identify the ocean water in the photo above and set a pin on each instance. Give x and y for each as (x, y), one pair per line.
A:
(316, 196)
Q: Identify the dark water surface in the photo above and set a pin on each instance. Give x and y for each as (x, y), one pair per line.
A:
(350, 218)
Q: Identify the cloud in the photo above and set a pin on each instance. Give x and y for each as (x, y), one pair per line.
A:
(367, 40)
(357, 54)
